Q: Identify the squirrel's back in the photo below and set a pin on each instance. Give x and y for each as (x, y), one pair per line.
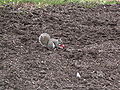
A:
(44, 39)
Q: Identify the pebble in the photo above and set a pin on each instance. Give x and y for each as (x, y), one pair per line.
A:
(78, 75)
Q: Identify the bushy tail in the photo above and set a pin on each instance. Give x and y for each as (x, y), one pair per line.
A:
(44, 39)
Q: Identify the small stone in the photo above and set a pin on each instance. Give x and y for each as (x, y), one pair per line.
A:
(78, 75)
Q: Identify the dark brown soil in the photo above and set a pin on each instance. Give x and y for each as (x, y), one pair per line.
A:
(92, 39)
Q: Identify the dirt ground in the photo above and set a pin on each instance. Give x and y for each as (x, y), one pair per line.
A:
(90, 61)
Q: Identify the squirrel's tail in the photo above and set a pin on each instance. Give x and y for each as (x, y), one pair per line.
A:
(44, 39)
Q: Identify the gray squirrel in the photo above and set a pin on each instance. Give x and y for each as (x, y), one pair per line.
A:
(50, 43)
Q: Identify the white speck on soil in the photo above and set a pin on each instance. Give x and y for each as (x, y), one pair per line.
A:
(78, 75)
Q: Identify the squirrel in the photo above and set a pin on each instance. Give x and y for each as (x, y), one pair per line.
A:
(50, 43)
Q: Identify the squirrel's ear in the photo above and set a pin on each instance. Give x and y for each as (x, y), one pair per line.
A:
(60, 40)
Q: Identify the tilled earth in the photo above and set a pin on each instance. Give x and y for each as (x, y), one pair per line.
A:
(90, 60)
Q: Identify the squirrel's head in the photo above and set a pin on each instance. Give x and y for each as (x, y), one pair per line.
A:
(60, 44)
